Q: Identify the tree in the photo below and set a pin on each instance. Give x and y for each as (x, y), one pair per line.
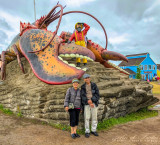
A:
(138, 74)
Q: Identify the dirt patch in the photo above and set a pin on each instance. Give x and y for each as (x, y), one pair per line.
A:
(157, 96)
(17, 131)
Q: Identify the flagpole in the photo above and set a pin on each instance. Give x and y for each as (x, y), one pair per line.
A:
(35, 10)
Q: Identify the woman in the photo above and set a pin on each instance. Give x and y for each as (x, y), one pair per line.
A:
(72, 105)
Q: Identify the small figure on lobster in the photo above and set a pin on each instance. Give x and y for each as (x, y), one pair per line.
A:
(79, 37)
(44, 50)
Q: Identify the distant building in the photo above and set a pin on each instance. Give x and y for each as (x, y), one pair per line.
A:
(147, 65)
(158, 70)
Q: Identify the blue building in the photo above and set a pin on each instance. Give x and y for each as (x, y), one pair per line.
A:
(147, 65)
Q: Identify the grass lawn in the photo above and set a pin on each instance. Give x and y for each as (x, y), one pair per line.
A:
(156, 87)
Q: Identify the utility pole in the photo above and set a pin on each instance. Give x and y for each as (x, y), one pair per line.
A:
(35, 10)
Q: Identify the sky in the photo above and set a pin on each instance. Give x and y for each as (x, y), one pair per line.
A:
(132, 26)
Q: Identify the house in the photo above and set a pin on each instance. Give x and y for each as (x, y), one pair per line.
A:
(144, 61)
(158, 70)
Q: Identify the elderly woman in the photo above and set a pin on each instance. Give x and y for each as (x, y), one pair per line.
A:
(72, 105)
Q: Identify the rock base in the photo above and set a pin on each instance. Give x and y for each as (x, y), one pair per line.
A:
(25, 93)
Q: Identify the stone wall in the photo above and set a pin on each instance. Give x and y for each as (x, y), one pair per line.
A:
(119, 95)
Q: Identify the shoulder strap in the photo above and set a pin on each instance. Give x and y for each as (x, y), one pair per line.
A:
(82, 36)
(69, 94)
(76, 36)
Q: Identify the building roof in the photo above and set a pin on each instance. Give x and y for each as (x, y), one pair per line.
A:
(158, 66)
(132, 62)
(137, 54)
(130, 71)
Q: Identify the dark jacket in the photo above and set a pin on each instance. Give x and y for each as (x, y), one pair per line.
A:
(95, 94)
(73, 97)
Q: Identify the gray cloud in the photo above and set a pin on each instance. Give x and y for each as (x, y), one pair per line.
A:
(133, 9)
(20, 8)
(4, 24)
(128, 9)
(138, 19)
(3, 36)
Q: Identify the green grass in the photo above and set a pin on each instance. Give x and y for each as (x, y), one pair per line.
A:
(104, 125)
(109, 123)
(61, 126)
(65, 128)
(19, 114)
(9, 112)
(139, 115)
(6, 111)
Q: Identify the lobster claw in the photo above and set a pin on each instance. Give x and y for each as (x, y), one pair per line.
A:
(111, 55)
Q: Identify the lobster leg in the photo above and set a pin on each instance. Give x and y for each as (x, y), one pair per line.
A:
(3, 67)
(5, 56)
(108, 64)
(18, 57)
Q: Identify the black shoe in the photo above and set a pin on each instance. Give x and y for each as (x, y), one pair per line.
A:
(73, 136)
(85, 64)
(78, 64)
(95, 133)
(77, 135)
(87, 135)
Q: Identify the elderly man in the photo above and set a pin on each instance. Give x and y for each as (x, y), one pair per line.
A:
(90, 100)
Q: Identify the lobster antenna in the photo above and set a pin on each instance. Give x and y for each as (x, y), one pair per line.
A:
(35, 10)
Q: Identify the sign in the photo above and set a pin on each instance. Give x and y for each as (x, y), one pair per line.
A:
(147, 72)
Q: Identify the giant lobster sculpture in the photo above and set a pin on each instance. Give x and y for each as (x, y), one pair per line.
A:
(44, 50)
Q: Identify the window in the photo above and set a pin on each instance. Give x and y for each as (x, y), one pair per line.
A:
(153, 67)
(150, 76)
(149, 67)
(145, 67)
(141, 67)
(143, 76)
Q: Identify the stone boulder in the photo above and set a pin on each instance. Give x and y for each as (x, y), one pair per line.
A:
(25, 93)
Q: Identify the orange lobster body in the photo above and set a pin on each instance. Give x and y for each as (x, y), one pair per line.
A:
(44, 50)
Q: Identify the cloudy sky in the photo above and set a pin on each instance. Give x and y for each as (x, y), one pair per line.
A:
(133, 26)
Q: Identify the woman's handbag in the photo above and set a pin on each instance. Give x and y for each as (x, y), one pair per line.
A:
(71, 106)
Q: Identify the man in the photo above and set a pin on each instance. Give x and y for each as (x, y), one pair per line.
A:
(79, 37)
(90, 100)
